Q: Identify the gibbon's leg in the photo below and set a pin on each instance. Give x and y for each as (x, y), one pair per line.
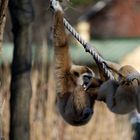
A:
(75, 105)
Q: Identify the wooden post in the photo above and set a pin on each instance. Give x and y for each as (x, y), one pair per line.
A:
(22, 15)
(3, 9)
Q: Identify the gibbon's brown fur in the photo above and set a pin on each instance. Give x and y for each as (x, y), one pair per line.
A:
(121, 96)
(74, 102)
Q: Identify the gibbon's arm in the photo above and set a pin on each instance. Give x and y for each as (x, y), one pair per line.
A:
(120, 96)
(62, 59)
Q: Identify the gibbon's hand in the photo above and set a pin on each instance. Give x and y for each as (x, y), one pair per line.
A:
(55, 5)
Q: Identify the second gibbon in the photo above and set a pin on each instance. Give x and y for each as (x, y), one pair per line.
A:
(122, 96)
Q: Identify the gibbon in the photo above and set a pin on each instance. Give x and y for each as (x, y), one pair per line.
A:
(75, 104)
(121, 96)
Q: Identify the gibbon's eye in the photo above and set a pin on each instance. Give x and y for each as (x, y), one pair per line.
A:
(86, 79)
(76, 73)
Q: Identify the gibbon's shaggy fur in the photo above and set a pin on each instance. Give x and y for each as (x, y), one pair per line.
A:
(74, 102)
(121, 96)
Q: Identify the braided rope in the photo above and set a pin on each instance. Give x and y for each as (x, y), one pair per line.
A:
(88, 48)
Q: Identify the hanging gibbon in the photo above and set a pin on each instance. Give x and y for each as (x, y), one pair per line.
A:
(75, 104)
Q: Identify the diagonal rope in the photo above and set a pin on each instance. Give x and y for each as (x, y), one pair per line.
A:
(88, 48)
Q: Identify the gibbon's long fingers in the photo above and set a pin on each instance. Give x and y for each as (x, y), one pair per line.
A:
(55, 5)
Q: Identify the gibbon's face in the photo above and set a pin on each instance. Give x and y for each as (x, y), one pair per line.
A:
(82, 75)
(83, 110)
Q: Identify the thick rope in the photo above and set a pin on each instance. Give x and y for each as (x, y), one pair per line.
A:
(88, 48)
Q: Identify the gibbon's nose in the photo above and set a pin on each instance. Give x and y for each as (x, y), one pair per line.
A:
(87, 113)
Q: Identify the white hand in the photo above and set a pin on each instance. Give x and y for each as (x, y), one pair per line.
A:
(56, 5)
